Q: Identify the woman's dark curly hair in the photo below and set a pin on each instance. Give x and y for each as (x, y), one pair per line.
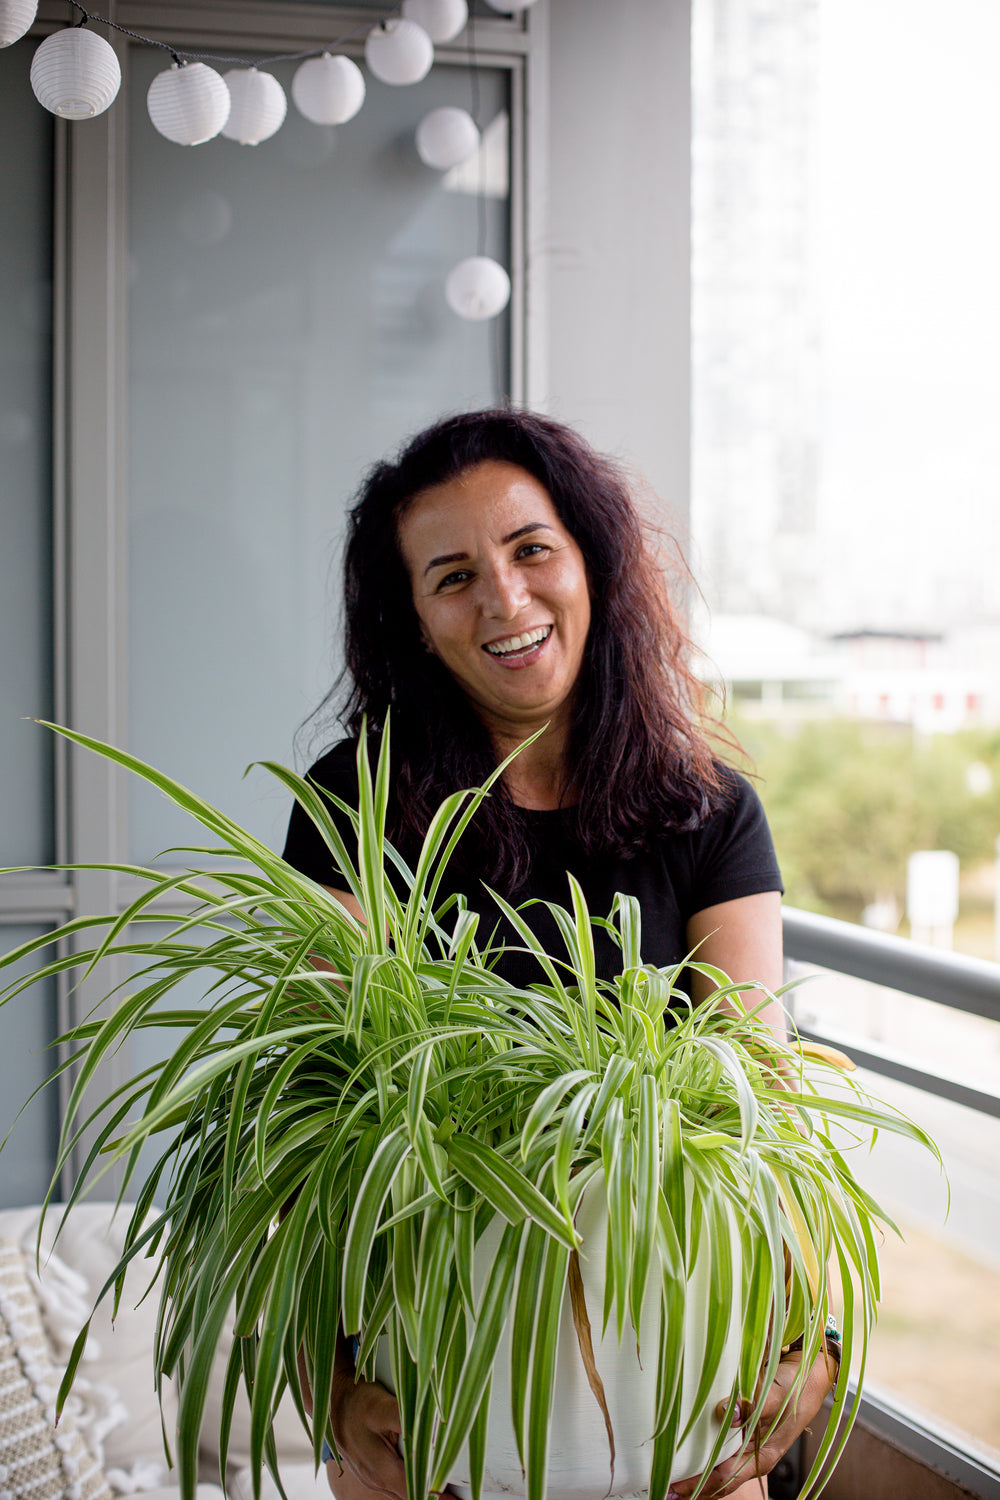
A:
(639, 766)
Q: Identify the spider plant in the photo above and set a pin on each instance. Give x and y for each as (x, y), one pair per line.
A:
(332, 1143)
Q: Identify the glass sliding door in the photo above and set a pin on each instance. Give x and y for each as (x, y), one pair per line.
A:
(27, 830)
(241, 332)
(27, 818)
(287, 326)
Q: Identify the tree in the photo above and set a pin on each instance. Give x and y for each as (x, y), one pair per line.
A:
(850, 800)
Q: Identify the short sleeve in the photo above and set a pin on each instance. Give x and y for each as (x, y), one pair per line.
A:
(733, 853)
(305, 848)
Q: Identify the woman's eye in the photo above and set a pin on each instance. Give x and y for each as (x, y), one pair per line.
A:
(531, 549)
(460, 575)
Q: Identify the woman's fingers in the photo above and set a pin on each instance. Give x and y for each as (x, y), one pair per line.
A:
(739, 1478)
(734, 1479)
(346, 1486)
(365, 1421)
(740, 1416)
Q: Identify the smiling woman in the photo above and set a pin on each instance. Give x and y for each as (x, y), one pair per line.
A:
(499, 586)
(500, 594)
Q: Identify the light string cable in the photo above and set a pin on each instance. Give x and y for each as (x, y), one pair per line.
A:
(181, 55)
(501, 393)
(477, 118)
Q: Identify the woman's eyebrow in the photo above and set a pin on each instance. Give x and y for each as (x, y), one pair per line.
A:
(446, 557)
(451, 557)
(523, 531)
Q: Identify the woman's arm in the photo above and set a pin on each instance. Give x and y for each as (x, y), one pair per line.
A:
(743, 938)
(349, 902)
(364, 1417)
(365, 1422)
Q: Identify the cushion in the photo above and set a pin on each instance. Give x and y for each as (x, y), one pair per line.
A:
(119, 1413)
(38, 1461)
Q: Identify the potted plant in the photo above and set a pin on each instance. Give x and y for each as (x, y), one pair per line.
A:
(508, 1193)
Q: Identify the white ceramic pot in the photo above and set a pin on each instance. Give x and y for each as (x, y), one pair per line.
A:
(579, 1459)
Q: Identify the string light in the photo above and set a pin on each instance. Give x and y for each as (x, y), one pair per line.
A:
(258, 106)
(441, 19)
(75, 74)
(328, 90)
(188, 103)
(477, 288)
(446, 137)
(399, 52)
(16, 17)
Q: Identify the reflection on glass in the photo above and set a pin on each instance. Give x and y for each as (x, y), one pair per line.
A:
(287, 327)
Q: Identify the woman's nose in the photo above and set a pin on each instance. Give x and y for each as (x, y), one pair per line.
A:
(504, 593)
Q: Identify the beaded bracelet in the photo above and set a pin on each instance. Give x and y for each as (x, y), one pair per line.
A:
(831, 1334)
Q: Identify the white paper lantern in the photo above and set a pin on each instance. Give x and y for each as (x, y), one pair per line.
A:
(188, 103)
(441, 19)
(399, 52)
(328, 90)
(258, 106)
(510, 7)
(15, 18)
(75, 74)
(446, 137)
(477, 288)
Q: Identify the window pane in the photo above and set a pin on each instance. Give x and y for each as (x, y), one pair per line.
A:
(26, 815)
(287, 327)
(847, 538)
(27, 1026)
(846, 448)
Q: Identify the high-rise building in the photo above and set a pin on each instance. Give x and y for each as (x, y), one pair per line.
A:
(756, 357)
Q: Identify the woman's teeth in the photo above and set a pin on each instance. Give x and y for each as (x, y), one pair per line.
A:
(518, 642)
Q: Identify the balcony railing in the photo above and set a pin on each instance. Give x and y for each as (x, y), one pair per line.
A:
(965, 984)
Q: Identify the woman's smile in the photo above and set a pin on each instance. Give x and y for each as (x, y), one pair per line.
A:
(501, 592)
(517, 650)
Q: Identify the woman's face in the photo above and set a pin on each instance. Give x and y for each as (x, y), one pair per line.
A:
(500, 588)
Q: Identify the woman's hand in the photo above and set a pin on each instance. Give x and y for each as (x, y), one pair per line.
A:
(365, 1421)
(739, 1477)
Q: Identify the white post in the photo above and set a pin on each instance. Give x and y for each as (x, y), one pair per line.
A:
(932, 895)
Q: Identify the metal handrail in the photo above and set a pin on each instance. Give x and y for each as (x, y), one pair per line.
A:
(955, 979)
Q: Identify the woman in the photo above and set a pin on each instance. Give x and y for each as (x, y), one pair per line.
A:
(498, 584)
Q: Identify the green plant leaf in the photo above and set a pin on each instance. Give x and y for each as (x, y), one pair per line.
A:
(372, 1194)
(647, 1194)
(479, 1357)
(405, 1137)
(507, 1189)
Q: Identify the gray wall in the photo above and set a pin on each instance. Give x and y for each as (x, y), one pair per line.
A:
(615, 252)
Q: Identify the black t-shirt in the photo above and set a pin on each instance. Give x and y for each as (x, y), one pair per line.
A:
(729, 856)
